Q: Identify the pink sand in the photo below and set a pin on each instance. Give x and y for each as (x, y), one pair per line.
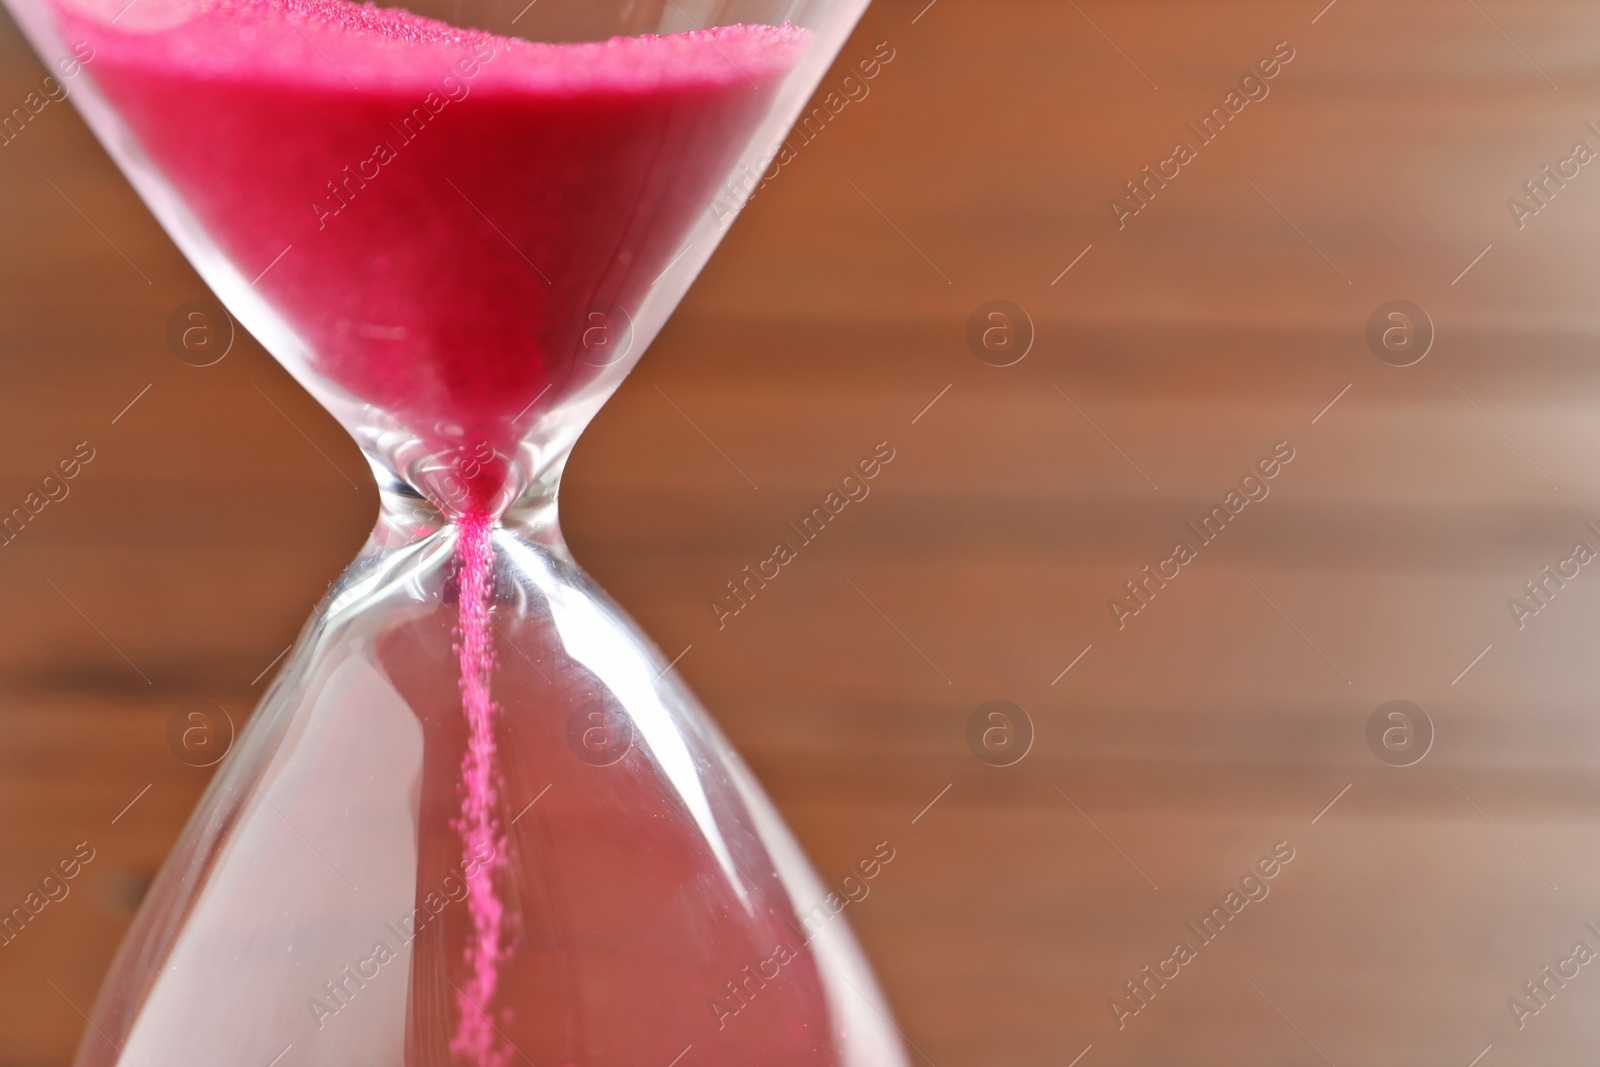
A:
(436, 211)
(475, 1039)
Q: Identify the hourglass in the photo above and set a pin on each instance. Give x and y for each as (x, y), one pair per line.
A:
(476, 820)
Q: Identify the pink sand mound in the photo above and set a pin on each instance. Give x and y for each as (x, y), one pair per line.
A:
(438, 212)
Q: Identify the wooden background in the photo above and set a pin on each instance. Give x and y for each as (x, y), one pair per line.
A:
(1175, 353)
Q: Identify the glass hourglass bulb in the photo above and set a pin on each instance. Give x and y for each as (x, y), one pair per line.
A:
(476, 820)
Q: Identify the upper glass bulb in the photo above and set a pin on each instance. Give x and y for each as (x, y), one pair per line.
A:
(458, 234)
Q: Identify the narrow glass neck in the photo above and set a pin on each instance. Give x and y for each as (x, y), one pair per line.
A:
(406, 516)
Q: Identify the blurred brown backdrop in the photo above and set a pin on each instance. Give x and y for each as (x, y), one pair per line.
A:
(1172, 356)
